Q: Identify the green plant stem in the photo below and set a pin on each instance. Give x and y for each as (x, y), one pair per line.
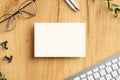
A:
(108, 4)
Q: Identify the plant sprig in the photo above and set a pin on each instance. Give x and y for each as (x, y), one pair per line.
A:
(2, 76)
(114, 7)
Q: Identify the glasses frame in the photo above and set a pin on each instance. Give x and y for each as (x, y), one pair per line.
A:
(19, 12)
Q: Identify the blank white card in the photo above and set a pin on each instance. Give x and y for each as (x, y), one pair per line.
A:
(60, 40)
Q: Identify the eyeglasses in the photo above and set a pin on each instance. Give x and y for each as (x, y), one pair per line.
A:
(27, 9)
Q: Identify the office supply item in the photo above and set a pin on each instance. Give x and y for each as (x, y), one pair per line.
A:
(8, 58)
(106, 70)
(27, 9)
(73, 5)
(4, 45)
(60, 40)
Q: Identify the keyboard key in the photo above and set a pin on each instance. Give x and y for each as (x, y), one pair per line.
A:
(89, 73)
(97, 75)
(102, 72)
(114, 74)
(95, 70)
(115, 66)
(77, 78)
(108, 76)
(119, 58)
(112, 79)
(84, 79)
(91, 78)
(118, 71)
(109, 69)
(118, 78)
(108, 63)
(102, 67)
(119, 63)
(83, 76)
(102, 78)
(114, 60)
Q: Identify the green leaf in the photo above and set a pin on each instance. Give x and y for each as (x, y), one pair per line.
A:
(0, 74)
(117, 10)
(115, 5)
(4, 79)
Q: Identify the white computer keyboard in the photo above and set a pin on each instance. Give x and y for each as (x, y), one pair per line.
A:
(109, 69)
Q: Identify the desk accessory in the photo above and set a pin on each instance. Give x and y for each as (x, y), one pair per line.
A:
(8, 58)
(4, 45)
(73, 5)
(109, 69)
(27, 9)
(60, 40)
(113, 6)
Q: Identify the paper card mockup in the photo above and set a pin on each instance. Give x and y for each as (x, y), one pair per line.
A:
(60, 40)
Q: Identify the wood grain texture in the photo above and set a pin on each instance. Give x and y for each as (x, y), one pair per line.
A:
(103, 39)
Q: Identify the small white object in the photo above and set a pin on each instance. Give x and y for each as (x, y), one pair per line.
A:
(60, 40)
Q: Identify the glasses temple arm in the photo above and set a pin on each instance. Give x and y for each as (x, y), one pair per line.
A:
(10, 16)
(16, 12)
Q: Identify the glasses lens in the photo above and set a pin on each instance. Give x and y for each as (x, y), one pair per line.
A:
(28, 9)
(7, 23)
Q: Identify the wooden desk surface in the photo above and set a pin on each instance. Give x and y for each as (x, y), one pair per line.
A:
(103, 39)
